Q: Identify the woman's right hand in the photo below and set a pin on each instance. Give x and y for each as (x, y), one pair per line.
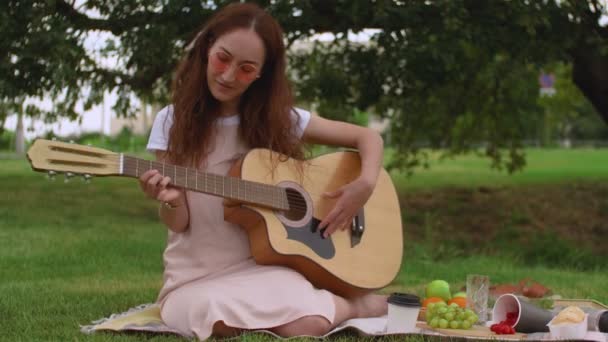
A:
(157, 187)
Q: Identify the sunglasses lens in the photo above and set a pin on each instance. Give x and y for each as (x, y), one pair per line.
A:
(220, 62)
(217, 64)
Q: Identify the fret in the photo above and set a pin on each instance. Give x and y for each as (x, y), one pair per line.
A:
(229, 181)
(226, 187)
(217, 182)
(211, 185)
(176, 175)
(248, 190)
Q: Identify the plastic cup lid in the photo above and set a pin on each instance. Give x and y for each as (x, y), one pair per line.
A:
(404, 299)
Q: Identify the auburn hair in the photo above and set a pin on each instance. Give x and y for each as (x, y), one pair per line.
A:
(265, 107)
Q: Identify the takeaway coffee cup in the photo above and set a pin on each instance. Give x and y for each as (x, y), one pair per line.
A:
(403, 309)
(530, 318)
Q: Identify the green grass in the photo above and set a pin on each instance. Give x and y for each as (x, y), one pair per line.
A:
(543, 166)
(73, 253)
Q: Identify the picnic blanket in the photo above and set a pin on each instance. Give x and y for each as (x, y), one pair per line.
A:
(146, 318)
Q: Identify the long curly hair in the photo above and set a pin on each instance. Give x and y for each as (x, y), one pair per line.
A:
(265, 107)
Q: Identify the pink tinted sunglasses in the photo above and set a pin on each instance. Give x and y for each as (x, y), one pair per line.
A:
(220, 62)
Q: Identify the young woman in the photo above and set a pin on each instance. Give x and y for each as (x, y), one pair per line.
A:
(231, 94)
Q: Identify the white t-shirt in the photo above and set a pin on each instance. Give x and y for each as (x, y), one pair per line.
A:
(159, 135)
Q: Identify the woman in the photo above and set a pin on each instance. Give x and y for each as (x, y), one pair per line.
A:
(231, 94)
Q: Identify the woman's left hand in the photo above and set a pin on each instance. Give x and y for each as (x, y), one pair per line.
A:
(351, 198)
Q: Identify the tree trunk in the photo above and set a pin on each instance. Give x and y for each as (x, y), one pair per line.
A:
(590, 74)
(19, 136)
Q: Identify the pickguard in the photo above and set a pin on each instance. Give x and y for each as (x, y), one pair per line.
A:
(311, 236)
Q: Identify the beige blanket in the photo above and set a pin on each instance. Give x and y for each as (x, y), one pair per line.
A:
(146, 317)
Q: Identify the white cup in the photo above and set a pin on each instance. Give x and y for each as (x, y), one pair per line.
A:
(568, 331)
(403, 312)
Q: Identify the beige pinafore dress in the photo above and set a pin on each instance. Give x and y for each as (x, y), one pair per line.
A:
(210, 275)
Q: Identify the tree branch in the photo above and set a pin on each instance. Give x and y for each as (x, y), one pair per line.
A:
(116, 26)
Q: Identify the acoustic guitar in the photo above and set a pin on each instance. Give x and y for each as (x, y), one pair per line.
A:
(280, 208)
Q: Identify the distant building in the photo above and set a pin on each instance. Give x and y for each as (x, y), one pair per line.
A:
(379, 125)
(139, 125)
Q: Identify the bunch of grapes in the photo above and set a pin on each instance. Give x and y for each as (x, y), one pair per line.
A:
(442, 315)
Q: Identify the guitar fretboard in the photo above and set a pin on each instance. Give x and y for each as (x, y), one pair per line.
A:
(228, 187)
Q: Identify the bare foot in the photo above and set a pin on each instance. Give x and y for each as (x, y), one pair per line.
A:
(370, 305)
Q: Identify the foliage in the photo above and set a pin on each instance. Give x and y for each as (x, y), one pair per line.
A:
(448, 73)
(124, 141)
(7, 140)
(568, 114)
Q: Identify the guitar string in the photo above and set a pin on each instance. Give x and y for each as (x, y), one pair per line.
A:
(185, 172)
(295, 199)
(261, 186)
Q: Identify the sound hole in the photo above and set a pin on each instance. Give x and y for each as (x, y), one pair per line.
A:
(297, 205)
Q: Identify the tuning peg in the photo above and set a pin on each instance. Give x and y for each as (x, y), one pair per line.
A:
(51, 175)
(68, 176)
(86, 178)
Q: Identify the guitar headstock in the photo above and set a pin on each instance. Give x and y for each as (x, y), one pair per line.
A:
(56, 156)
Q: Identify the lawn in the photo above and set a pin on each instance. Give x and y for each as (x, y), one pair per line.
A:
(543, 166)
(72, 252)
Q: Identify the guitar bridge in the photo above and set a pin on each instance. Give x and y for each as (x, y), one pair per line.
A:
(357, 228)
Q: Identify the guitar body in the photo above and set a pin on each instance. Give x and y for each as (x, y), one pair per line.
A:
(350, 262)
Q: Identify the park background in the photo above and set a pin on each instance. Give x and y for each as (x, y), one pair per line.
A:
(494, 118)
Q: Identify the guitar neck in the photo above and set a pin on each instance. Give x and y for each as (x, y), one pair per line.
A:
(227, 187)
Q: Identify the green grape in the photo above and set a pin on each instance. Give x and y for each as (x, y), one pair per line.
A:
(466, 324)
(454, 305)
(443, 323)
(430, 306)
(449, 316)
(469, 312)
(442, 310)
(432, 310)
(434, 322)
(455, 324)
(460, 316)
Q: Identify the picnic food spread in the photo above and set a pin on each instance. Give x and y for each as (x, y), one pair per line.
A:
(442, 315)
(571, 314)
(446, 313)
(506, 327)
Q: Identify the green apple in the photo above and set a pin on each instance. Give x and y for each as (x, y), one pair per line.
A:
(438, 288)
(460, 294)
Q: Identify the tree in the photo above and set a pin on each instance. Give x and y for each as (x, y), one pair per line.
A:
(455, 74)
(568, 114)
(450, 73)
